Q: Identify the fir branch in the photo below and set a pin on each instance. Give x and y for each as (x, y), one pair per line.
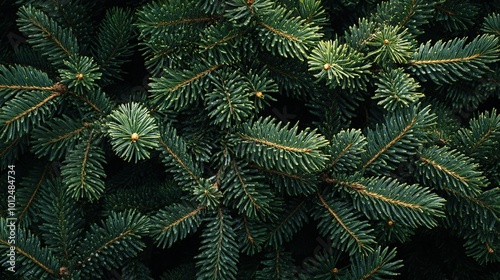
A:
(346, 149)
(447, 62)
(377, 264)
(288, 224)
(133, 131)
(20, 114)
(486, 211)
(83, 170)
(410, 14)
(177, 89)
(57, 137)
(482, 136)
(244, 190)
(34, 191)
(105, 246)
(491, 24)
(277, 265)
(341, 223)
(291, 183)
(184, 20)
(400, 135)
(62, 220)
(46, 35)
(392, 141)
(33, 108)
(457, 170)
(37, 260)
(113, 49)
(411, 205)
(219, 251)
(340, 65)
(174, 223)
(297, 151)
(179, 161)
(177, 158)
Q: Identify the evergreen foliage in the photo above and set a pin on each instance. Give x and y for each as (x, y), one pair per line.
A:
(228, 139)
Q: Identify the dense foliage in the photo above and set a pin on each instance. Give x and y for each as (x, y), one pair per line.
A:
(250, 139)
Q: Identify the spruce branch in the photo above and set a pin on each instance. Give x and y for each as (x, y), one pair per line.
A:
(401, 134)
(438, 165)
(410, 205)
(17, 79)
(82, 171)
(57, 136)
(113, 46)
(37, 261)
(46, 35)
(291, 220)
(346, 149)
(491, 24)
(280, 147)
(177, 89)
(133, 132)
(277, 265)
(448, 62)
(411, 14)
(344, 226)
(174, 223)
(396, 89)
(104, 247)
(378, 264)
(339, 64)
(219, 261)
(22, 113)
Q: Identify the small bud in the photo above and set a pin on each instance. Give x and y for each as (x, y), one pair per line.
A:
(60, 87)
(335, 270)
(390, 223)
(259, 94)
(63, 271)
(250, 2)
(386, 42)
(326, 66)
(490, 250)
(79, 76)
(134, 137)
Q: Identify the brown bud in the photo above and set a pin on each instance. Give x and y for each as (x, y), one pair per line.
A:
(63, 271)
(60, 87)
(335, 270)
(390, 223)
(326, 66)
(386, 42)
(259, 94)
(79, 76)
